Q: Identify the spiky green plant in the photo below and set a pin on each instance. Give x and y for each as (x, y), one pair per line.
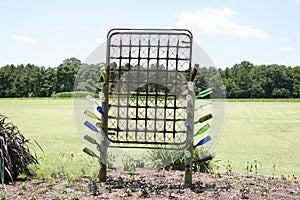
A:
(159, 158)
(14, 152)
(175, 160)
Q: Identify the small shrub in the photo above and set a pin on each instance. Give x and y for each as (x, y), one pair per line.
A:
(111, 158)
(22, 177)
(2, 196)
(252, 167)
(64, 191)
(94, 171)
(32, 196)
(23, 186)
(228, 166)
(129, 163)
(207, 166)
(42, 190)
(294, 178)
(20, 192)
(56, 197)
(158, 158)
(74, 197)
(64, 165)
(274, 170)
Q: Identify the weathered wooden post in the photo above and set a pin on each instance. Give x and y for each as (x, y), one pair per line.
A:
(189, 138)
(190, 127)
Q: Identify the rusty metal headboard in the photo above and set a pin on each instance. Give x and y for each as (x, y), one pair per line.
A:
(145, 87)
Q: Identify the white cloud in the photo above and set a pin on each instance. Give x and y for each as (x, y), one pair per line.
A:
(23, 39)
(219, 21)
(287, 48)
(298, 1)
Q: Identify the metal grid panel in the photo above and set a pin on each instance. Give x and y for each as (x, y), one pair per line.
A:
(146, 79)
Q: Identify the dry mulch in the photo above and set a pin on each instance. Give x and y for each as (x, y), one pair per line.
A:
(148, 184)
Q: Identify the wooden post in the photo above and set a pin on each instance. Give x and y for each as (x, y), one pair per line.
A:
(103, 156)
(104, 119)
(188, 154)
(190, 130)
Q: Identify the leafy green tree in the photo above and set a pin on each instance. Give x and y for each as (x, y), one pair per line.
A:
(257, 78)
(89, 74)
(280, 93)
(232, 89)
(296, 81)
(7, 76)
(199, 80)
(210, 77)
(28, 83)
(49, 82)
(240, 76)
(66, 74)
(20, 84)
(243, 80)
(278, 81)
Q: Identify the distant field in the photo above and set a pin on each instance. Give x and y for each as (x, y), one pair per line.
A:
(49, 121)
(268, 132)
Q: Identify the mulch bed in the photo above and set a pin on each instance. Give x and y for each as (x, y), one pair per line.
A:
(148, 184)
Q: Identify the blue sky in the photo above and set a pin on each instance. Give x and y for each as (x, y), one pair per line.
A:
(230, 31)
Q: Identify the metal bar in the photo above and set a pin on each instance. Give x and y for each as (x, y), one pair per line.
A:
(126, 45)
(190, 134)
(147, 87)
(148, 143)
(151, 131)
(175, 90)
(152, 31)
(137, 98)
(128, 92)
(113, 57)
(149, 147)
(119, 76)
(143, 118)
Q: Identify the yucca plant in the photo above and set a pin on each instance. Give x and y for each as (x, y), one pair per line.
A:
(174, 159)
(14, 152)
(162, 158)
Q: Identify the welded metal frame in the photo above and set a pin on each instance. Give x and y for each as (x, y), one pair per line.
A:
(112, 88)
(118, 124)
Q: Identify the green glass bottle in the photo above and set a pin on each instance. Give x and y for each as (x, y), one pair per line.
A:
(204, 93)
(90, 139)
(204, 118)
(202, 129)
(90, 152)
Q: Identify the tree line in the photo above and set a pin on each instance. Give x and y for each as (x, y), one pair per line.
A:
(244, 80)
(34, 81)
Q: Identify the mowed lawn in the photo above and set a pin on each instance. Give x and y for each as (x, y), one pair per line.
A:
(48, 121)
(268, 132)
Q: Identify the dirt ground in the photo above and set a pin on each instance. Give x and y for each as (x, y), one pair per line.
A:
(146, 184)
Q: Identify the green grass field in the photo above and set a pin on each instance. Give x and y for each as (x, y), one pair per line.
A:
(268, 132)
(49, 121)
